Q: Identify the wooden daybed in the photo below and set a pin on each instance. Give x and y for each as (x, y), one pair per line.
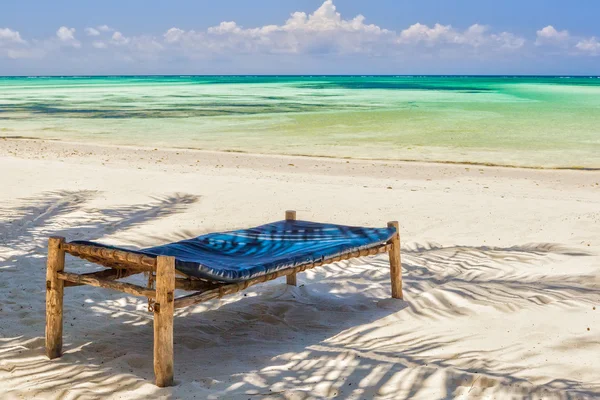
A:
(173, 266)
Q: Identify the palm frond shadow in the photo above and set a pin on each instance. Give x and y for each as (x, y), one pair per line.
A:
(35, 212)
(332, 370)
(397, 364)
(292, 348)
(23, 241)
(308, 350)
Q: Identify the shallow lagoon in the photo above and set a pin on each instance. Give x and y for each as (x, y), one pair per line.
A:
(517, 121)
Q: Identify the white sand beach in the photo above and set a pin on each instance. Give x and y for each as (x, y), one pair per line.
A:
(501, 272)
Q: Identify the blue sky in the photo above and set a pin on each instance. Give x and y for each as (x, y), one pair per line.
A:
(299, 36)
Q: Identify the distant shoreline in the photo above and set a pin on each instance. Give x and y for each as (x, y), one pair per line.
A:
(300, 155)
(592, 76)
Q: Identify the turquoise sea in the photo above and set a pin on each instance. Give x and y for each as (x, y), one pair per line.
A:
(515, 121)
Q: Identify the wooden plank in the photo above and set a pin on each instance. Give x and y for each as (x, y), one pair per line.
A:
(103, 283)
(108, 274)
(111, 257)
(292, 279)
(395, 262)
(290, 215)
(163, 321)
(54, 297)
(231, 288)
(194, 284)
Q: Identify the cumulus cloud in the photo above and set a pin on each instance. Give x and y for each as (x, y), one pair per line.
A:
(67, 36)
(325, 19)
(92, 32)
(549, 35)
(225, 27)
(119, 39)
(98, 30)
(7, 35)
(323, 32)
(423, 33)
(590, 46)
(12, 45)
(173, 35)
(475, 36)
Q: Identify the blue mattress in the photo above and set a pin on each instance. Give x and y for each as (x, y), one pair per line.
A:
(249, 253)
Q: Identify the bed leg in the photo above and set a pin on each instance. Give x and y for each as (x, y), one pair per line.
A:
(290, 215)
(163, 320)
(54, 297)
(395, 262)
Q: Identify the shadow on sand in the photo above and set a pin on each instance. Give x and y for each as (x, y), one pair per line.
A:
(325, 339)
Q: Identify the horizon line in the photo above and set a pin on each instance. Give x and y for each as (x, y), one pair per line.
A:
(302, 75)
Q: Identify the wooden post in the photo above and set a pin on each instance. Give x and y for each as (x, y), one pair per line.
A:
(54, 297)
(163, 320)
(395, 262)
(290, 215)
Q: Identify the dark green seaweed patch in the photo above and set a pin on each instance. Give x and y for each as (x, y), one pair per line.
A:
(207, 109)
(358, 85)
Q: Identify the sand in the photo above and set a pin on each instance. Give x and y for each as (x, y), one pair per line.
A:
(501, 269)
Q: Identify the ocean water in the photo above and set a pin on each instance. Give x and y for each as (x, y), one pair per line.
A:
(551, 122)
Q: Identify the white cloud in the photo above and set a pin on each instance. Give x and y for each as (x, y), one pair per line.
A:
(173, 35)
(119, 39)
(98, 30)
(326, 18)
(92, 32)
(67, 36)
(324, 32)
(225, 27)
(9, 36)
(422, 33)
(475, 36)
(549, 35)
(590, 46)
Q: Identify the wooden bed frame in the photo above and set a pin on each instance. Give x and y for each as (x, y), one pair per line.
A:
(162, 275)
